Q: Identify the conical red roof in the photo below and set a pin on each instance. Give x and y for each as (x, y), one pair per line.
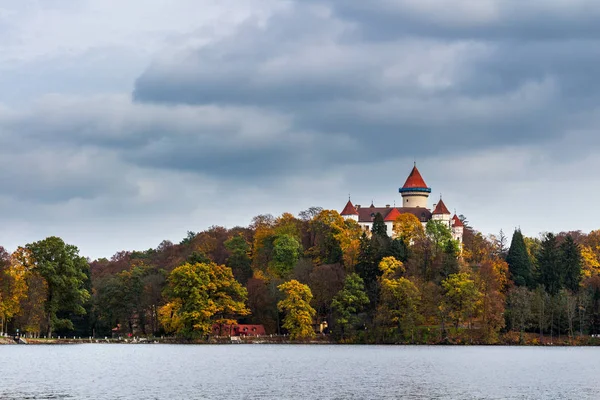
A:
(456, 222)
(349, 209)
(392, 215)
(441, 208)
(414, 180)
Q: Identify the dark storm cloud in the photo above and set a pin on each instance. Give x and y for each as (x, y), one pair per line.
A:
(459, 81)
(468, 19)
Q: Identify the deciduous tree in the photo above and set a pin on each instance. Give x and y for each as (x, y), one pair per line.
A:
(200, 295)
(349, 302)
(298, 311)
(65, 273)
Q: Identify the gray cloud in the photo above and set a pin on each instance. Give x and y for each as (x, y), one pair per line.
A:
(278, 113)
(467, 19)
(415, 92)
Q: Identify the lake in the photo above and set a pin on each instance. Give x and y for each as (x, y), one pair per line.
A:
(113, 371)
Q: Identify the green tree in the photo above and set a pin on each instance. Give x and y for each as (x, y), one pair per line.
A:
(239, 261)
(519, 306)
(298, 312)
(367, 268)
(399, 307)
(461, 297)
(65, 273)
(571, 263)
(379, 227)
(286, 252)
(519, 263)
(449, 259)
(441, 236)
(549, 264)
(349, 302)
(328, 232)
(200, 295)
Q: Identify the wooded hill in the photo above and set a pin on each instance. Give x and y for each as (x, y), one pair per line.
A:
(291, 274)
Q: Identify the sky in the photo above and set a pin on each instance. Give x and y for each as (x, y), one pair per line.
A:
(126, 123)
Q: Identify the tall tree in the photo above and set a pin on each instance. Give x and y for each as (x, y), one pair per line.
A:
(379, 227)
(367, 268)
(461, 297)
(200, 295)
(13, 285)
(348, 303)
(549, 264)
(239, 261)
(65, 273)
(519, 263)
(440, 235)
(298, 312)
(571, 263)
(408, 228)
(519, 309)
(286, 252)
(399, 307)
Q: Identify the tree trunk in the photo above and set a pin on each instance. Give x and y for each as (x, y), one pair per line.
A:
(49, 322)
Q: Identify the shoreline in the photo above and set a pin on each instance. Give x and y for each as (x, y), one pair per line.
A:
(591, 342)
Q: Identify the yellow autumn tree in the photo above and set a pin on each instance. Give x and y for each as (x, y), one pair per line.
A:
(408, 228)
(389, 266)
(14, 273)
(298, 311)
(348, 235)
(591, 264)
(200, 295)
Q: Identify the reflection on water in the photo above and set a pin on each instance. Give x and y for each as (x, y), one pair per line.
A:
(103, 371)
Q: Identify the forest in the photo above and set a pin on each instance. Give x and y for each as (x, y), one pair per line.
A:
(316, 275)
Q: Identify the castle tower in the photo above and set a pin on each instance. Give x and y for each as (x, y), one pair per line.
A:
(415, 192)
(457, 228)
(350, 211)
(441, 213)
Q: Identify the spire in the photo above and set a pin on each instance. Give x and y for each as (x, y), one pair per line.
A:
(441, 208)
(349, 209)
(414, 180)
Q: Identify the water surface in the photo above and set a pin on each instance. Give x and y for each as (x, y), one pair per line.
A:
(107, 371)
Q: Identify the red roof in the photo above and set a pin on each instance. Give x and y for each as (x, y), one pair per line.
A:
(441, 208)
(349, 209)
(414, 180)
(456, 222)
(392, 215)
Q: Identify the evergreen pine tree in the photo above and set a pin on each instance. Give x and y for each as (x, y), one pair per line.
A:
(571, 263)
(379, 227)
(367, 268)
(549, 261)
(519, 263)
(449, 260)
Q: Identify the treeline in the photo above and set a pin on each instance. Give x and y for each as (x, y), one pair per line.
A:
(312, 273)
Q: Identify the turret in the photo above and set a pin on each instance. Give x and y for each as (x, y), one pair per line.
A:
(415, 192)
(457, 228)
(350, 211)
(441, 213)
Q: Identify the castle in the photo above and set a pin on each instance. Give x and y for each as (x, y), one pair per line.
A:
(415, 194)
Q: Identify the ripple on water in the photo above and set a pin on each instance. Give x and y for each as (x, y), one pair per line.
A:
(95, 371)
